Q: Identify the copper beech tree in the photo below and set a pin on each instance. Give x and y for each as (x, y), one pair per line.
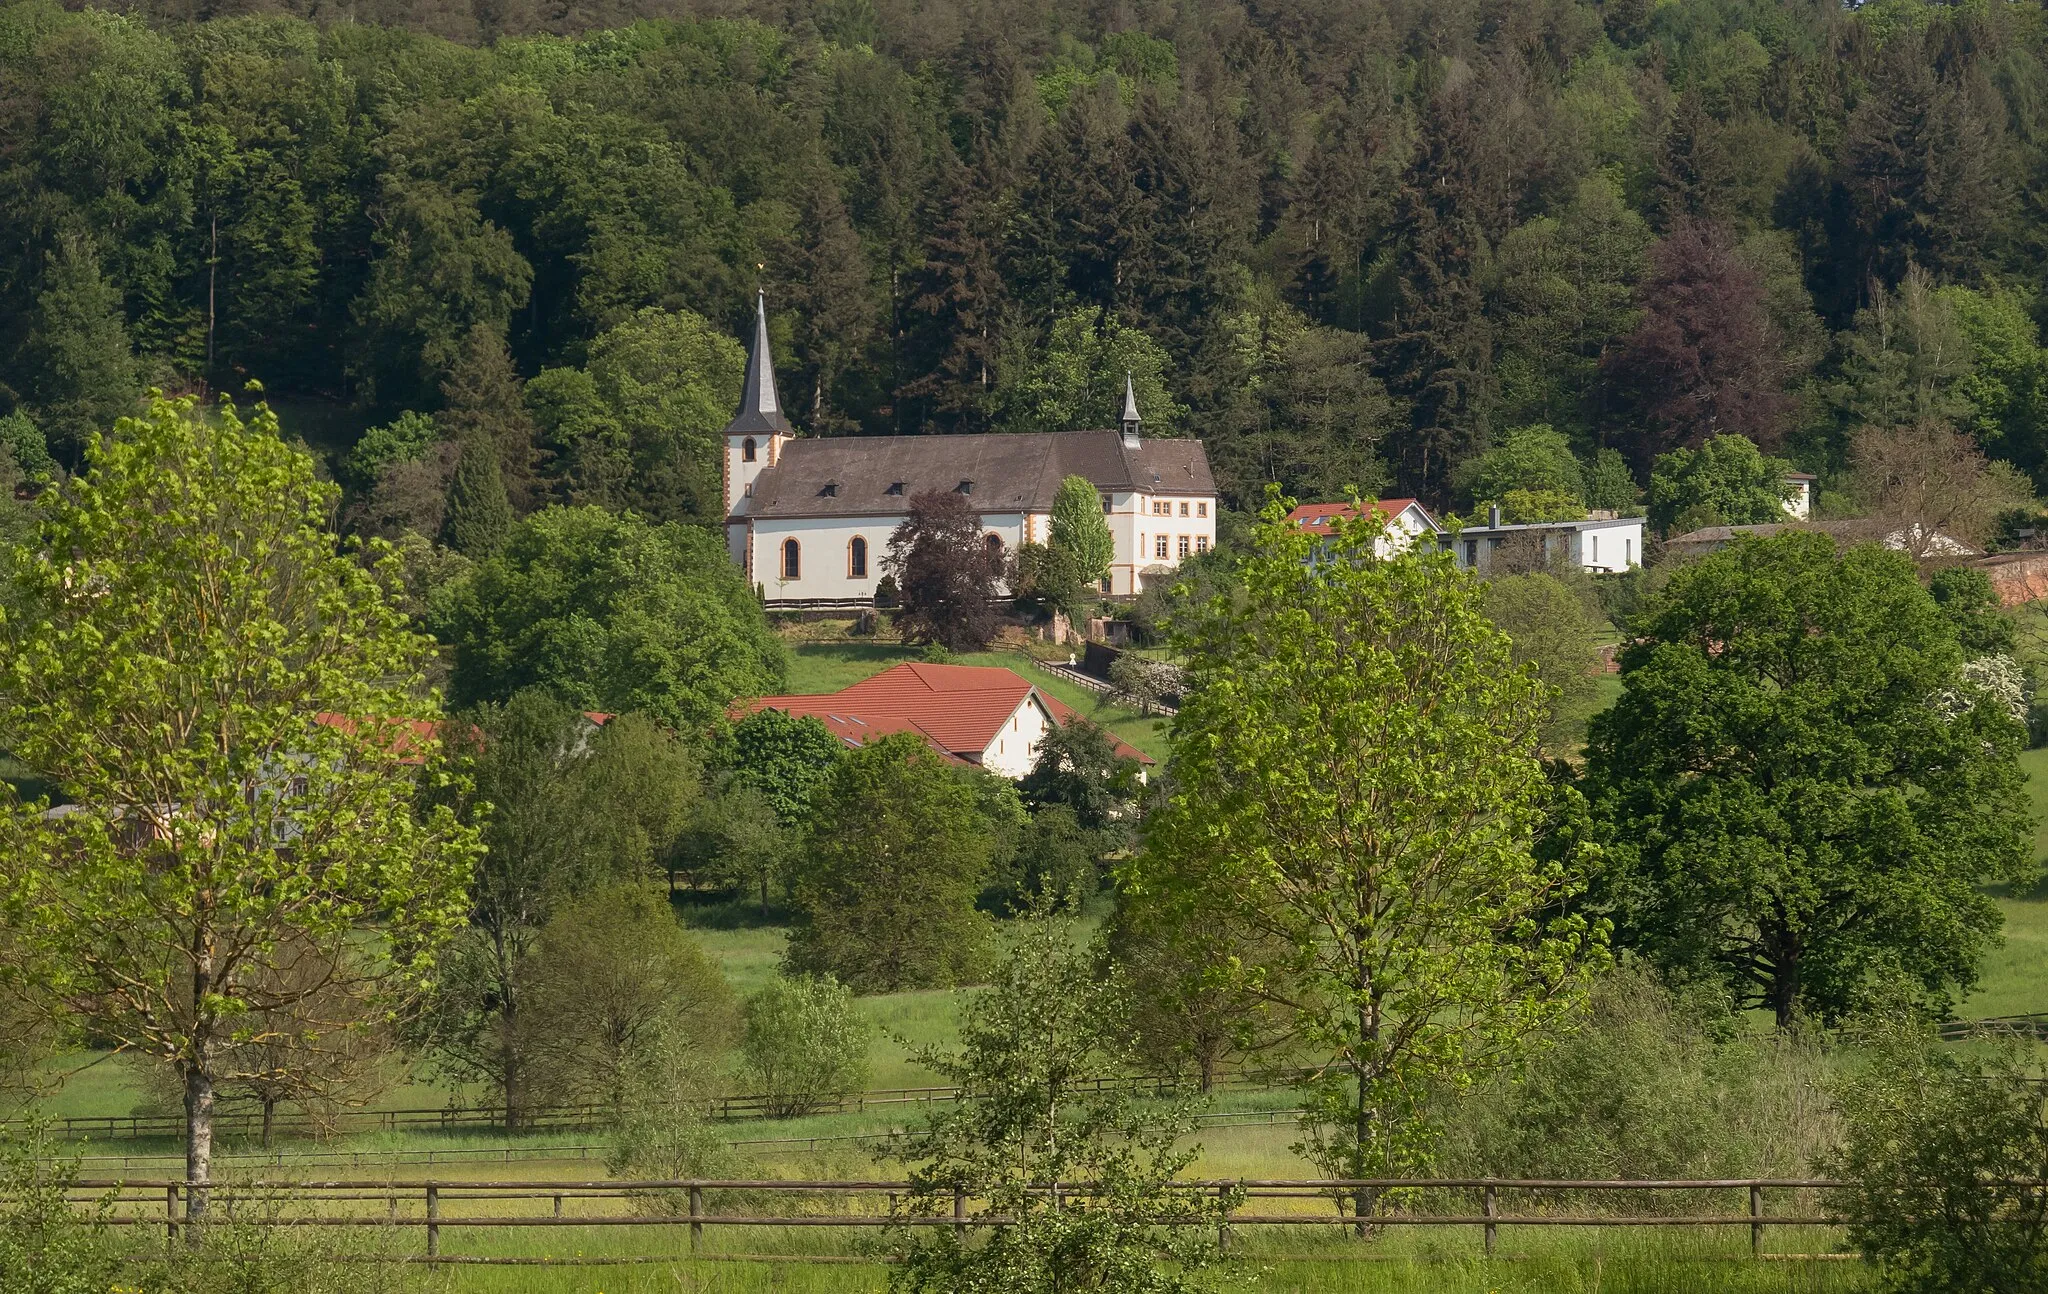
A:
(231, 711)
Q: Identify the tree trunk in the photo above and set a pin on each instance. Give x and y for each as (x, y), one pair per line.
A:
(198, 1147)
(1785, 990)
(1362, 1198)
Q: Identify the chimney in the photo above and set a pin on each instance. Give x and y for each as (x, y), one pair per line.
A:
(1493, 515)
(1131, 419)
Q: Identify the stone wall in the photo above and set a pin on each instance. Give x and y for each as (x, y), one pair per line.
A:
(2018, 577)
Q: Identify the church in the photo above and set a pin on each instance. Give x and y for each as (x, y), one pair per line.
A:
(809, 519)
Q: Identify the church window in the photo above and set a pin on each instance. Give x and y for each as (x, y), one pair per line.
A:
(995, 546)
(747, 450)
(857, 558)
(792, 560)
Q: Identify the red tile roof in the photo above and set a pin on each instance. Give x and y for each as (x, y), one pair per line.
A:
(959, 709)
(1318, 516)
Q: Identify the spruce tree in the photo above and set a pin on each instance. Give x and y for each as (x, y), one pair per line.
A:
(79, 368)
(485, 400)
(954, 300)
(479, 514)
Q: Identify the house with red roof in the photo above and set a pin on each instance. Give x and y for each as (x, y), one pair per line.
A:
(988, 716)
(1407, 520)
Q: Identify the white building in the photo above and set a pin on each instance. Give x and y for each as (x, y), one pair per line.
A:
(1600, 545)
(1799, 495)
(1406, 520)
(810, 518)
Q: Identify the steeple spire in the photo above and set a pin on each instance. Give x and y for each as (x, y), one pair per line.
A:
(760, 411)
(1131, 419)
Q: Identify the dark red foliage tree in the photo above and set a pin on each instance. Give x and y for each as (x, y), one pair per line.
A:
(946, 571)
(1705, 359)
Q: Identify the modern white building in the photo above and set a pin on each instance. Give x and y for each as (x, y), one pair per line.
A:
(809, 518)
(1599, 545)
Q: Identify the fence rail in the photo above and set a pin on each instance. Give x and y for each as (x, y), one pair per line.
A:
(445, 1205)
(542, 1118)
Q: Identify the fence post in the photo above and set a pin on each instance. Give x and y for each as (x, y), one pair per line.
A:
(1491, 1207)
(433, 1220)
(171, 1214)
(1223, 1227)
(558, 1204)
(959, 1212)
(696, 1217)
(1756, 1225)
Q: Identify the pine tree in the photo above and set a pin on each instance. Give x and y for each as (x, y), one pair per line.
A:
(479, 514)
(831, 299)
(79, 369)
(955, 300)
(486, 401)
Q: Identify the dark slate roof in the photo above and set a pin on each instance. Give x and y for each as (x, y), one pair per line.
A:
(760, 411)
(850, 476)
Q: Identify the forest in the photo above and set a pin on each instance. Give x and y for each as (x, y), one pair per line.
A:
(1349, 245)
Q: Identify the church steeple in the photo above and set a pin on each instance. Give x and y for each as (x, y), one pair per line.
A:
(760, 411)
(1131, 419)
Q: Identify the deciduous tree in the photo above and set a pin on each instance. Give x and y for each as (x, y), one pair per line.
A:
(231, 708)
(1356, 794)
(946, 573)
(1782, 802)
(898, 849)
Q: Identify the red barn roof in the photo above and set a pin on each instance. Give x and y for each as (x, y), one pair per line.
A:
(958, 709)
(1318, 516)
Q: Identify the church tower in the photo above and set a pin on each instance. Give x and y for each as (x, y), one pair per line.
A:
(759, 429)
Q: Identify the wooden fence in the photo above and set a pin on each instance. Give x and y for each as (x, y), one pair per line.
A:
(539, 1118)
(441, 1206)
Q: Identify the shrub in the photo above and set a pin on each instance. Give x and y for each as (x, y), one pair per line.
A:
(46, 1245)
(804, 1045)
(1943, 1159)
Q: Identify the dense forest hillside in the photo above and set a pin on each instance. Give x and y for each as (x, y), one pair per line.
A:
(1348, 242)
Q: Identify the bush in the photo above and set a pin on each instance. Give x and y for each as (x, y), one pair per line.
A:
(1655, 1083)
(804, 1046)
(1943, 1159)
(46, 1245)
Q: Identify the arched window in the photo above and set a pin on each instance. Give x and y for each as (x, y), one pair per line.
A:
(747, 450)
(995, 546)
(857, 558)
(792, 560)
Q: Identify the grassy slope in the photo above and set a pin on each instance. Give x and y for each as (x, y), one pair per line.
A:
(2015, 978)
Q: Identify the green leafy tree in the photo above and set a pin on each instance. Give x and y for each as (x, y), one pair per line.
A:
(1079, 766)
(734, 840)
(1536, 458)
(1356, 795)
(1725, 482)
(25, 445)
(405, 439)
(479, 517)
(566, 811)
(1610, 486)
(48, 1245)
(234, 709)
(1549, 627)
(1077, 380)
(613, 984)
(1085, 1179)
(1190, 1009)
(1965, 596)
(785, 757)
(483, 401)
(1782, 803)
(804, 1045)
(898, 849)
(669, 379)
(1081, 546)
(610, 613)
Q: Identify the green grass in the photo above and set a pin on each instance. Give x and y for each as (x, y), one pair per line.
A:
(830, 666)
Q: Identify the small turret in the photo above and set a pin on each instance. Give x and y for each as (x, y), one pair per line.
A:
(1131, 419)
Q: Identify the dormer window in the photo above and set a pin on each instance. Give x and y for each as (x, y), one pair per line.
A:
(965, 487)
(831, 490)
(747, 450)
(895, 487)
